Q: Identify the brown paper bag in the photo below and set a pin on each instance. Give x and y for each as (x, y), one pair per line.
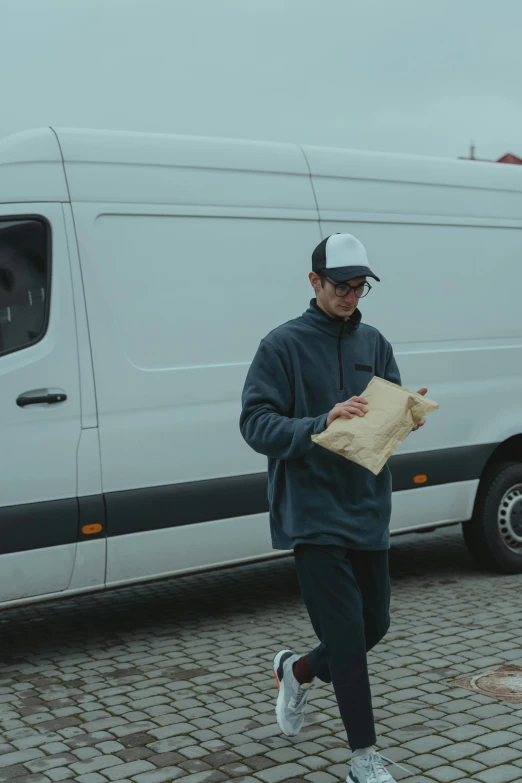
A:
(370, 440)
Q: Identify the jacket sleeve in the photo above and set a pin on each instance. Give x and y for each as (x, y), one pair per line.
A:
(391, 372)
(268, 400)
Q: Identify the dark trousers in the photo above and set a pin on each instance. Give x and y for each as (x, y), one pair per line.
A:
(347, 594)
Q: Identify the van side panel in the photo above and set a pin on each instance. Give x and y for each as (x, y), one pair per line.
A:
(178, 298)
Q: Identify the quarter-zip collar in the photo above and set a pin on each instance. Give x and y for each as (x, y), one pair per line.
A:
(334, 327)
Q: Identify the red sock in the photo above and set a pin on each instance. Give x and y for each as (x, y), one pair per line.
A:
(302, 672)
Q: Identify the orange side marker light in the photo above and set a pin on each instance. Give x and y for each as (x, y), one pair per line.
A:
(90, 530)
(421, 478)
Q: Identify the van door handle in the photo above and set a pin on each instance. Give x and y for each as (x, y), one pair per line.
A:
(40, 397)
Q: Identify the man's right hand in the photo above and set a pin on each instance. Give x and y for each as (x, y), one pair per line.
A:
(355, 406)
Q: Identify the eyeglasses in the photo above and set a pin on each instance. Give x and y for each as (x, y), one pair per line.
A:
(343, 289)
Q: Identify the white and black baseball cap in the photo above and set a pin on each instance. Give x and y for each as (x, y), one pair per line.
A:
(341, 257)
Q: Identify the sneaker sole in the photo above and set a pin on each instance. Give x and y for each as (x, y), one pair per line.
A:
(279, 710)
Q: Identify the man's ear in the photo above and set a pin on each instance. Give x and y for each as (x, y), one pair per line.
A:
(315, 280)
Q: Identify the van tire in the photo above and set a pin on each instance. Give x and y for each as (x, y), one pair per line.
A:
(496, 517)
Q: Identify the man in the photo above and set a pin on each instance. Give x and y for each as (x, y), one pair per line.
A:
(333, 513)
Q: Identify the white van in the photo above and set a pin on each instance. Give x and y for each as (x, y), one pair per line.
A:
(138, 273)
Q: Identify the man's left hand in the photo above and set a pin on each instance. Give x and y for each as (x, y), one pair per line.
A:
(422, 422)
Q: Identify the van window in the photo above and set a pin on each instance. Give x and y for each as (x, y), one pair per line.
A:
(24, 283)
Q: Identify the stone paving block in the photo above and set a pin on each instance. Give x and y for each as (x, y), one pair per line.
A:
(214, 746)
(307, 748)
(82, 740)
(411, 681)
(406, 706)
(108, 746)
(174, 730)
(134, 754)
(58, 774)
(172, 743)
(405, 695)
(54, 747)
(247, 726)
(139, 739)
(210, 776)
(424, 761)
(445, 774)
(163, 775)
(257, 763)
(129, 769)
(321, 777)
(459, 750)
(267, 731)
(408, 733)
(48, 762)
(131, 727)
(8, 773)
(281, 772)
(20, 757)
(337, 755)
(235, 769)
(339, 771)
(284, 755)
(503, 774)
(273, 743)
(95, 765)
(500, 722)
(489, 710)
(497, 756)
(170, 759)
(193, 752)
(314, 762)
(497, 739)
(89, 752)
(231, 716)
(251, 749)
(424, 779)
(461, 719)
(469, 765)
(92, 777)
(426, 744)
(398, 721)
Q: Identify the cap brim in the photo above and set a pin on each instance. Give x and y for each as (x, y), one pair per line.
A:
(342, 274)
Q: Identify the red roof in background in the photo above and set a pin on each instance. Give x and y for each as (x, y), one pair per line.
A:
(509, 158)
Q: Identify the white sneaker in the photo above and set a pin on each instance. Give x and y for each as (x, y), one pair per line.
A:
(370, 768)
(292, 697)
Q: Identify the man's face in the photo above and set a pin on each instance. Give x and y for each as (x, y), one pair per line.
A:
(333, 305)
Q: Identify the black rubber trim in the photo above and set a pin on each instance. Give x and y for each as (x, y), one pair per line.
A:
(38, 525)
(175, 505)
(444, 466)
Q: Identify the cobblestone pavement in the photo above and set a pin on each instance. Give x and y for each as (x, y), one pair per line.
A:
(173, 681)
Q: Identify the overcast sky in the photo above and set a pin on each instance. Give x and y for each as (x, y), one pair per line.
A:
(419, 76)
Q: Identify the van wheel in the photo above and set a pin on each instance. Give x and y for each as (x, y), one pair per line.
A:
(494, 534)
